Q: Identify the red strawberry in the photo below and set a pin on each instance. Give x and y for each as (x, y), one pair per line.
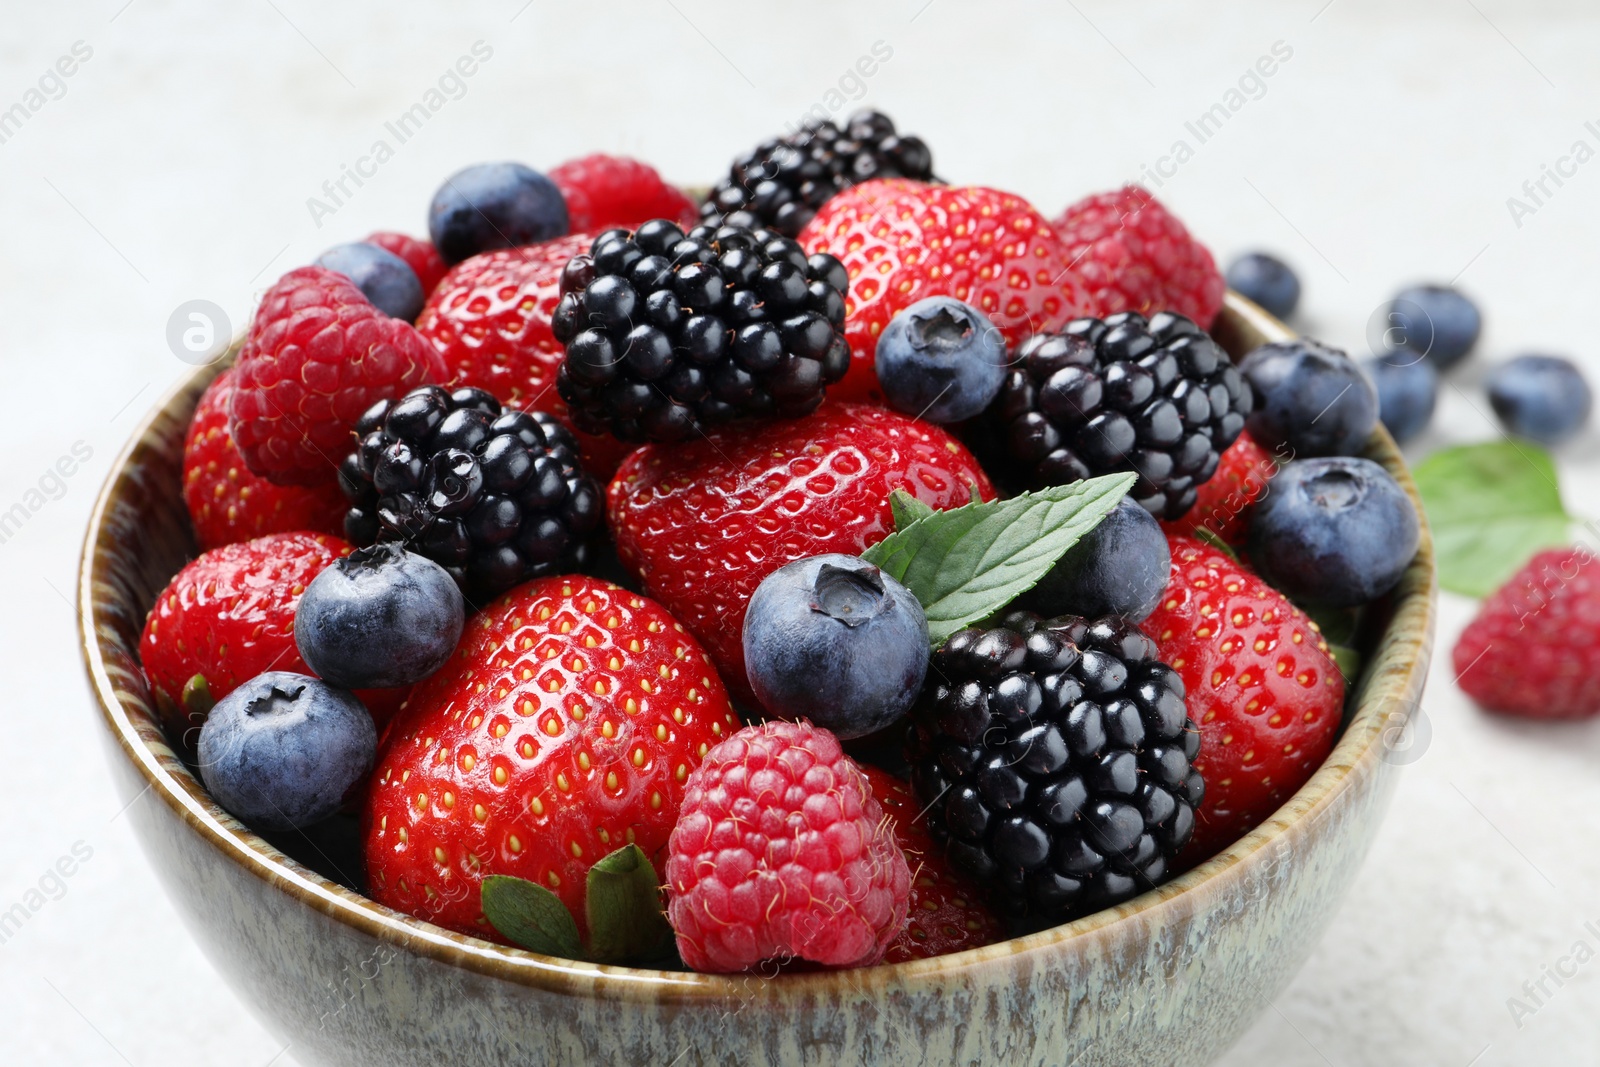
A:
(604, 191)
(702, 523)
(490, 319)
(228, 616)
(1261, 683)
(1131, 254)
(565, 729)
(902, 241)
(1225, 501)
(947, 913)
(317, 356)
(1534, 648)
(420, 255)
(227, 502)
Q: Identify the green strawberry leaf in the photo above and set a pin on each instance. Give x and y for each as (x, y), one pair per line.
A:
(196, 698)
(907, 509)
(1491, 507)
(967, 563)
(623, 903)
(1340, 627)
(1348, 660)
(530, 916)
(1214, 539)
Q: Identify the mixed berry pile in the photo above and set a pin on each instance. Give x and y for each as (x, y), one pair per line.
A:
(856, 567)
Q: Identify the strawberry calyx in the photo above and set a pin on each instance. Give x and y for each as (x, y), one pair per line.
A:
(622, 906)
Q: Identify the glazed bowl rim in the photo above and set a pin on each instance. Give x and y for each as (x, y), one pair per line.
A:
(1394, 674)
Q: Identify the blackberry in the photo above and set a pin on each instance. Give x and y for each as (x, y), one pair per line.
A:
(1055, 757)
(666, 333)
(495, 497)
(1156, 397)
(780, 183)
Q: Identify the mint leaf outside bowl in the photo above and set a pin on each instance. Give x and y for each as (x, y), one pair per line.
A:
(1173, 976)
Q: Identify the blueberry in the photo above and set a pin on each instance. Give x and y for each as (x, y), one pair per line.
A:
(1408, 386)
(835, 640)
(1267, 280)
(1542, 398)
(494, 205)
(941, 360)
(1310, 397)
(281, 751)
(1434, 321)
(380, 617)
(1119, 568)
(383, 277)
(1335, 531)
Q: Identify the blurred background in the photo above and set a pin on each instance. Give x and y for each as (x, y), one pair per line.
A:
(176, 163)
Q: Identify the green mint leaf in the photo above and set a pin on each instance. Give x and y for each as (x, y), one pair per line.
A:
(623, 903)
(530, 916)
(907, 509)
(1214, 539)
(967, 563)
(1491, 507)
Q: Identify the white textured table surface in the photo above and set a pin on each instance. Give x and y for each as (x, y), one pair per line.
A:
(176, 162)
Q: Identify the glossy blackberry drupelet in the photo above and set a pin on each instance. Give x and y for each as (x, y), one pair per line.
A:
(495, 497)
(1056, 760)
(780, 183)
(1156, 397)
(667, 333)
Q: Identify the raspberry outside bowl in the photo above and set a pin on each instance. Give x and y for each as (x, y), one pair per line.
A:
(1173, 976)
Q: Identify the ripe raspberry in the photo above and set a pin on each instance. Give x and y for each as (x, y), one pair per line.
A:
(1261, 684)
(490, 320)
(946, 912)
(701, 524)
(1131, 254)
(419, 254)
(316, 357)
(1225, 502)
(604, 191)
(227, 502)
(782, 851)
(567, 725)
(902, 241)
(1534, 648)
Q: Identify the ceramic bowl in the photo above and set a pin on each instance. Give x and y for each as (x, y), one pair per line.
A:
(1170, 977)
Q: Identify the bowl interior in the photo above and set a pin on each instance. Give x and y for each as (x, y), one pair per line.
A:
(139, 537)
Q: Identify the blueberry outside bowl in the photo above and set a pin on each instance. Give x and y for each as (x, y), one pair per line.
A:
(1171, 977)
